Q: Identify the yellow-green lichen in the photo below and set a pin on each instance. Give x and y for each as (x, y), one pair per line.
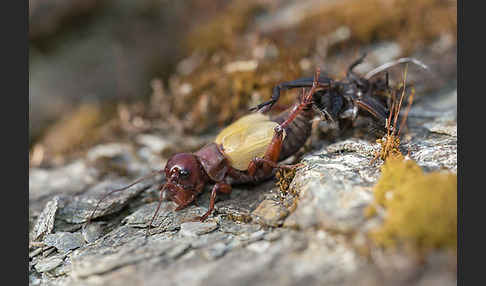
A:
(420, 208)
(284, 179)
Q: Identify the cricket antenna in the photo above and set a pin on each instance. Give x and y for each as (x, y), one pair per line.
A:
(399, 61)
(153, 173)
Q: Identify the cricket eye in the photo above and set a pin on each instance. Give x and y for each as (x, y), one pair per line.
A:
(184, 173)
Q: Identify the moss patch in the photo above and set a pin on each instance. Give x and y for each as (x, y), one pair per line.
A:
(421, 208)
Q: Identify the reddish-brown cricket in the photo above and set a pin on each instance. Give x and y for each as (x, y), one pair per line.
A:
(246, 151)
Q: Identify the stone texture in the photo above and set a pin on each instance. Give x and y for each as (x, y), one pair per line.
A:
(253, 237)
(197, 228)
(45, 221)
(270, 213)
(92, 231)
(49, 263)
(79, 209)
(64, 241)
(69, 179)
(334, 189)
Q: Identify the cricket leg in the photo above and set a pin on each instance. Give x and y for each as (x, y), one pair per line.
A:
(219, 187)
(272, 154)
(303, 82)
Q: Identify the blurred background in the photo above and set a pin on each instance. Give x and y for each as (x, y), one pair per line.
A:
(104, 70)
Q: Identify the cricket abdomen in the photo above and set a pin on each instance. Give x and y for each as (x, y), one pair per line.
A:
(297, 132)
(247, 138)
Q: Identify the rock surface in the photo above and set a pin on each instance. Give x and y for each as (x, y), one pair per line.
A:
(253, 237)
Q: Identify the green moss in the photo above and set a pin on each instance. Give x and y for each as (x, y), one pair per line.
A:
(421, 208)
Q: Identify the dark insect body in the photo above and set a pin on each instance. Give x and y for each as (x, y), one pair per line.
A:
(343, 100)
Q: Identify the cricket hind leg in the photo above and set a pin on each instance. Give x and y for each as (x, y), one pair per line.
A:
(272, 154)
(269, 160)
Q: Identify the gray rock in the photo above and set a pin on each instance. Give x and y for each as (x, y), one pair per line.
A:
(121, 158)
(441, 127)
(36, 252)
(435, 152)
(49, 264)
(259, 247)
(70, 179)
(178, 250)
(243, 201)
(78, 209)
(133, 252)
(207, 240)
(237, 228)
(197, 228)
(156, 144)
(244, 242)
(64, 241)
(142, 216)
(441, 107)
(270, 213)
(92, 231)
(112, 150)
(45, 221)
(63, 270)
(333, 191)
(257, 235)
(166, 220)
(216, 250)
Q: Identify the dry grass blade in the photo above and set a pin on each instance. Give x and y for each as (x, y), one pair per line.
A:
(391, 142)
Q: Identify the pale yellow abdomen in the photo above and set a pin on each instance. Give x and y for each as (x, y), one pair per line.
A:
(246, 138)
